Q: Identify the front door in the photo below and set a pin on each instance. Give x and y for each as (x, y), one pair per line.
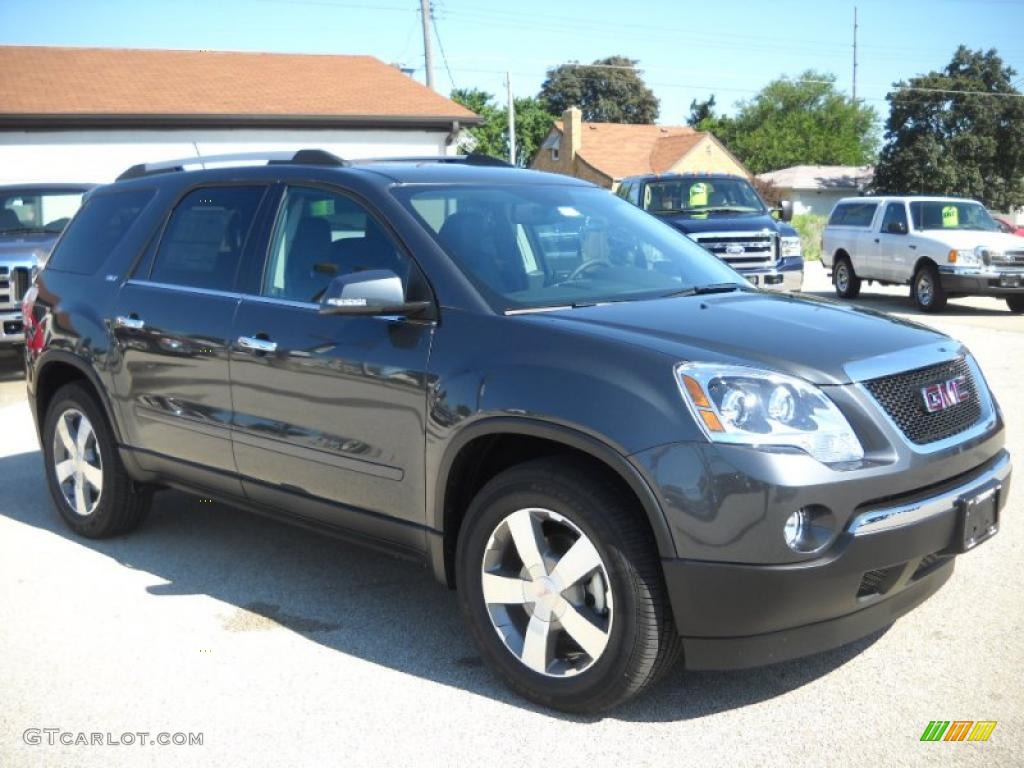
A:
(329, 410)
(895, 257)
(172, 325)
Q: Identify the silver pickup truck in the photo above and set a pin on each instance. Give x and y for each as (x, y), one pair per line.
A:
(32, 216)
(942, 247)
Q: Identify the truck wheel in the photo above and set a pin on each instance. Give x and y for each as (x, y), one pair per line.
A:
(846, 281)
(1015, 303)
(89, 485)
(927, 290)
(560, 582)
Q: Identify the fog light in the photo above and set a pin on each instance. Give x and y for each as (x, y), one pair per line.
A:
(809, 529)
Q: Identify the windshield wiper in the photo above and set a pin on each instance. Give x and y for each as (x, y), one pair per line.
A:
(703, 290)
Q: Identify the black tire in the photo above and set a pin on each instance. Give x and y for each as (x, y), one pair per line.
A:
(926, 289)
(1015, 304)
(845, 279)
(121, 504)
(642, 641)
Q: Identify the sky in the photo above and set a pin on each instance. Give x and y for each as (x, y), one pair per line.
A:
(686, 49)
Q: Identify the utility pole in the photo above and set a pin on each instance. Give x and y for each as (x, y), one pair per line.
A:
(855, 54)
(428, 53)
(511, 120)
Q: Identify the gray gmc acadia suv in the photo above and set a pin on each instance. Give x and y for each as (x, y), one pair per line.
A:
(614, 448)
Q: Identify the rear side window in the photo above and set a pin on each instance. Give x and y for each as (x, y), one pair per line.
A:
(853, 214)
(204, 239)
(97, 229)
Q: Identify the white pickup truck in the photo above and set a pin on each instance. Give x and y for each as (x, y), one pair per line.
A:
(942, 247)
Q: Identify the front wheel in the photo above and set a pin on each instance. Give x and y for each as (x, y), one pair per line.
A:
(926, 289)
(560, 583)
(1015, 303)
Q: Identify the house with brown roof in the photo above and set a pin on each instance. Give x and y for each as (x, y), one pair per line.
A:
(87, 114)
(606, 153)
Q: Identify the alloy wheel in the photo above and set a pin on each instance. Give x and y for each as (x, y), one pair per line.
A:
(547, 592)
(842, 277)
(77, 462)
(924, 289)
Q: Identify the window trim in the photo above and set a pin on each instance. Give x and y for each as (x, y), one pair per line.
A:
(334, 189)
(172, 209)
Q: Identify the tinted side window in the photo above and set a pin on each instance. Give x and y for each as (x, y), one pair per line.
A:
(895, 213)
(633, 195)
(838, 214)
(854, 214)
(97, 229)
(321, 235)
(203, 242)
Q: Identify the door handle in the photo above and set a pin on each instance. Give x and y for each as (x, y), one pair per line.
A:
(912, 247)
(877, 240)
(130, 321)
(256, 345)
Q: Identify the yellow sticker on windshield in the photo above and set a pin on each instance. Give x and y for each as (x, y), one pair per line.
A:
(699, 194)
(950, 216)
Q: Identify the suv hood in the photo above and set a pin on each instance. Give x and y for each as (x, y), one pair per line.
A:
(25, 248)
(815, 339)
(727, 223)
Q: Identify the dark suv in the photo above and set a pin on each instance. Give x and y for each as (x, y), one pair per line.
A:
(612, 445)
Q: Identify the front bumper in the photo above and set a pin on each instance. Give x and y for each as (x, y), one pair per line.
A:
(889, 558)
(978, 282)
(786, 275)
(12, 330)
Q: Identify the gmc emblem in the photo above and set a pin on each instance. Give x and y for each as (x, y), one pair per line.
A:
(939, 397)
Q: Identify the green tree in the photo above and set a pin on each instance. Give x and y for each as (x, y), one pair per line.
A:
(533, 122)
(957, 132)
(701, 111)
(801, 121)
(609, 91)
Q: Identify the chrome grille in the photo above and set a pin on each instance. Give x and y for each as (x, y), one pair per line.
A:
(1010, 259)
(902, 399)
(740, 249)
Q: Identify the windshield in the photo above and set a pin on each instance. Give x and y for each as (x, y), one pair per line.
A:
(950, 214)
(537, 246)
(700, 198)
(37, 210)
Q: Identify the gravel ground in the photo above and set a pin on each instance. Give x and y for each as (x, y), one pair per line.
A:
(283, 648)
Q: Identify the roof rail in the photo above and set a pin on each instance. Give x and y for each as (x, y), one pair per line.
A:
(302, 157)
(474, 158)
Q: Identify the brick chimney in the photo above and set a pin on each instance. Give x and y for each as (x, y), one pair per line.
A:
(572, 137)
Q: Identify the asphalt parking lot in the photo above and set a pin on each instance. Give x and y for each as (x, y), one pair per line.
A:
(284, 648)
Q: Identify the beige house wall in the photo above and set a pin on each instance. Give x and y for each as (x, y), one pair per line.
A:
(708, 157)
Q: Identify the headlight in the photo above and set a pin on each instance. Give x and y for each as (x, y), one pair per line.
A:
(974, 257)
(789, 246)
(735, 404)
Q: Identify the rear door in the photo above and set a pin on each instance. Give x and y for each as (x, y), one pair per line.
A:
(330, 410)
(172, 325)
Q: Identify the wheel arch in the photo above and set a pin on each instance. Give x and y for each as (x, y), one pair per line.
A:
(56, 369)
(470, 460)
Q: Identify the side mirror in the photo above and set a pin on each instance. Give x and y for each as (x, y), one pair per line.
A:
(896, 228)
(372, 292)
(786, 210)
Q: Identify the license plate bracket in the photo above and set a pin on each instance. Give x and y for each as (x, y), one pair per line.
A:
(978, 516)
(1010, 281)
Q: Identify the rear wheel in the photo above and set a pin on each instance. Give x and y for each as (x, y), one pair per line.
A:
(926, 289)
(87, 480)
(560, 582)
(846, 281)
(1015, 303)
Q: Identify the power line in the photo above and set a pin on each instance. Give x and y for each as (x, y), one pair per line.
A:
(440, 45)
